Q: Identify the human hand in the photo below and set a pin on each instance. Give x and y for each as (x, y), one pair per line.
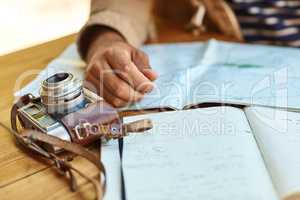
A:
(119, 72)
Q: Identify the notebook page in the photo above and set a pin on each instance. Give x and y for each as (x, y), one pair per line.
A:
(278, 135)
(195, 154)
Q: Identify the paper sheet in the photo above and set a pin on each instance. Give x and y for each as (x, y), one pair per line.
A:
(246, 85)
(233, 73)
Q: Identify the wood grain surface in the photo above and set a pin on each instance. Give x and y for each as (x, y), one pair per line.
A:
(22, 176)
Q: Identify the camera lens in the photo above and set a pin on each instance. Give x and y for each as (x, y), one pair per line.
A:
(57, 78)
(61, 93)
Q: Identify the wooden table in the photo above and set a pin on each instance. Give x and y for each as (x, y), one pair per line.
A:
(21, 176)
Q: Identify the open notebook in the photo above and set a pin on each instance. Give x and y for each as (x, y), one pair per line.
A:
(213, 71)
(209, 153)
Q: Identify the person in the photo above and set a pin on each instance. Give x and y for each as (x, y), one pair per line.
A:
(120, 72)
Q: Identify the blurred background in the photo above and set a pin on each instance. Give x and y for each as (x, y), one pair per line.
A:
(26, 23)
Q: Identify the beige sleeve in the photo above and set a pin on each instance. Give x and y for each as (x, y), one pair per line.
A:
(131, 18)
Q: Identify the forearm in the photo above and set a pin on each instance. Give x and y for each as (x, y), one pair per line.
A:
(129, 18)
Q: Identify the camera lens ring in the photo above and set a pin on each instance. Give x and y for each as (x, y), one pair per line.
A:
(58, 78)
(69, 85)
(61, 92)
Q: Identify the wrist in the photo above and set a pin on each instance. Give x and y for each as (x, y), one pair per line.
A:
(107, 35)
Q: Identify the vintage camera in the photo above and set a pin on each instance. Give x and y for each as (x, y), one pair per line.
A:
(68, 111)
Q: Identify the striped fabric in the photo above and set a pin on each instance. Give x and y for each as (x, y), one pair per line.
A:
(269, 21)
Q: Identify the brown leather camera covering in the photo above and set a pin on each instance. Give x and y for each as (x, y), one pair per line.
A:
(103, 121)
(93, 122)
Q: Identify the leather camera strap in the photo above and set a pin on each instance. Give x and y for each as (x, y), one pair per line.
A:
(29, 139)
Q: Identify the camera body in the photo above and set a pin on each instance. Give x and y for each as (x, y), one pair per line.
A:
(68, 111)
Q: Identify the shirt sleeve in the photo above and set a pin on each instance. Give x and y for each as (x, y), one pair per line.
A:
(131, 18)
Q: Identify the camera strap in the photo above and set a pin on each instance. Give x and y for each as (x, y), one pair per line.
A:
(108, 125)
(31, 139)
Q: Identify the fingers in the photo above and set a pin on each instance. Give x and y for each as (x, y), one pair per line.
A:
(139, 81)
(141, 60)
(121, 74)
(103, 75)
(119, 59)
(121, 62)
(92, 84)
(112, 99)
(149, 73)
